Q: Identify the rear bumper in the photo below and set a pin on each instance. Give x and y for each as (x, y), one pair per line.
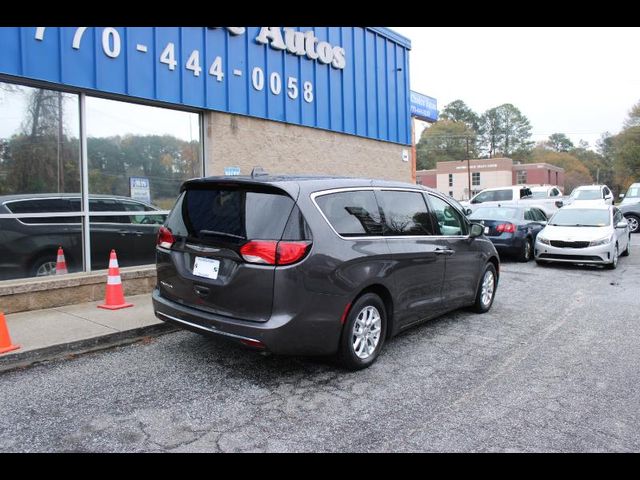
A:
(507, 243)
(304, 334)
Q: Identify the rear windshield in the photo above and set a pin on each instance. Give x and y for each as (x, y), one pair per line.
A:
(538, 194)
(586, 194)
(230, 215)
(491, 213)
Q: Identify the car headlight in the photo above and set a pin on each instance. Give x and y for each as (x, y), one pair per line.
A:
(544, 240)
(601, 241)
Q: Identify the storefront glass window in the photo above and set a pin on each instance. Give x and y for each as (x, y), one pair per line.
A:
(138, 158)
(39, 178)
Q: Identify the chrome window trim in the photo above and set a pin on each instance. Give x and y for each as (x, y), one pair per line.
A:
(320, 193)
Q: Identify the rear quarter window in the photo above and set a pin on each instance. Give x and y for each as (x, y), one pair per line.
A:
(352, 214)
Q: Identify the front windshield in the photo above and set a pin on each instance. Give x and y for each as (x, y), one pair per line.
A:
(586, 194)
(580, 217)
(633, 192)
(494, 213)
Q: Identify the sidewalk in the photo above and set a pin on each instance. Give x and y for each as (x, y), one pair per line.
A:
(62, 331)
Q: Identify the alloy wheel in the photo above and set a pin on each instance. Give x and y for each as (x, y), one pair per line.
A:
(47, 268)
(488, 287)
(366, 332)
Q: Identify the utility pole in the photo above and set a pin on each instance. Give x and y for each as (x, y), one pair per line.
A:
(468, 168)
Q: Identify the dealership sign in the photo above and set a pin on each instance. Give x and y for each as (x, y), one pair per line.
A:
(424, 107)
(345, 79)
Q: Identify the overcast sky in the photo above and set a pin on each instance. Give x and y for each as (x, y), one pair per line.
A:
(577, 81)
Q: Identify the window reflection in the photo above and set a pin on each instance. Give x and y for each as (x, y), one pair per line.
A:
(136, 151)
(138, 157)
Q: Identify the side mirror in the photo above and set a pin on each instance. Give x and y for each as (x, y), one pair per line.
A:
(559, 203)
(621, 195)
(622, 224)
(468, 211)
(476, 230)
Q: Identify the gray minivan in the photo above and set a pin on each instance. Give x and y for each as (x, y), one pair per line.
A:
(317, 265)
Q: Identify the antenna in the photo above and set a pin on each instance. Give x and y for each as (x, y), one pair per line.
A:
(258, 171)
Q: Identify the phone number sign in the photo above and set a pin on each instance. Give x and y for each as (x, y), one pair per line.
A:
(326, 77)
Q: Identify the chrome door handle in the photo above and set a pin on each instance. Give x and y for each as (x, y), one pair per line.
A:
(443, 251)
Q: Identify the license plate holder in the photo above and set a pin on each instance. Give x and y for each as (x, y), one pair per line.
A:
(206, 267)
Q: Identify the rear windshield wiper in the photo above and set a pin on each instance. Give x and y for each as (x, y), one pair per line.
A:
(221, 234)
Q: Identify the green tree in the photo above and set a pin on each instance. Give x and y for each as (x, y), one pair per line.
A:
(445, 141)
(41, 158)
(575, 172)
(559, 142)
(505, 131)
(624, 149)
(458, 111)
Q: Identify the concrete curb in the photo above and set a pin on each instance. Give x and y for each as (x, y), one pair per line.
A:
(20, 359)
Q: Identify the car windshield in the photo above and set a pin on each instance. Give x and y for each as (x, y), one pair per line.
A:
(633, 192)
(580, 217)
(590, 194)
(494, 213)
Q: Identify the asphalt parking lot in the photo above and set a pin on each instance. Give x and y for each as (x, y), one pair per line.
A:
(552, 367)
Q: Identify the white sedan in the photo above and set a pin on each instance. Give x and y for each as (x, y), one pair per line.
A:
(584, 234)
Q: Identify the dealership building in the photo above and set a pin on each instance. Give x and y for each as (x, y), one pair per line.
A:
(453, 178)
(99, 126)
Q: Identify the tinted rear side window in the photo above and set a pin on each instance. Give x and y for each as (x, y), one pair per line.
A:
(231, 215)
(405, 213)
(352, 214)
(45, 205)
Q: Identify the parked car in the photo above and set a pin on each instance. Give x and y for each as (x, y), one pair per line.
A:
(592, 234)
(317, 265)
(511, 229)
(29, 245)
(630, 207)
(590, 193)
(632, 196)
(518, 195)
(631, 212)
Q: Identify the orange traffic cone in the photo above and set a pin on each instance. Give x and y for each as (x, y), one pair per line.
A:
(114, 297)
(5, 339)
(61, 263)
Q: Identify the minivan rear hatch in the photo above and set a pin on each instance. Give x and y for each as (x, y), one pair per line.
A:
(221, 254)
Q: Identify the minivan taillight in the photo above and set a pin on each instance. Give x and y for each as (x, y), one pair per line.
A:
(165, 238)
(270, 252)
(291, 252)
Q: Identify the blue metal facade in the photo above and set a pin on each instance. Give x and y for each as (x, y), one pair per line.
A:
(230, 72)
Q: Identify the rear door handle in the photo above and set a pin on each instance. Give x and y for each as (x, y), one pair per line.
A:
(443, 251)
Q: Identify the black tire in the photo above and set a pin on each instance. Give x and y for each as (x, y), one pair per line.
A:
(634, 223)
(347, 355)
(526, 252)
(614, 262)
(627, 251)
(44, 265)
(481, 305)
